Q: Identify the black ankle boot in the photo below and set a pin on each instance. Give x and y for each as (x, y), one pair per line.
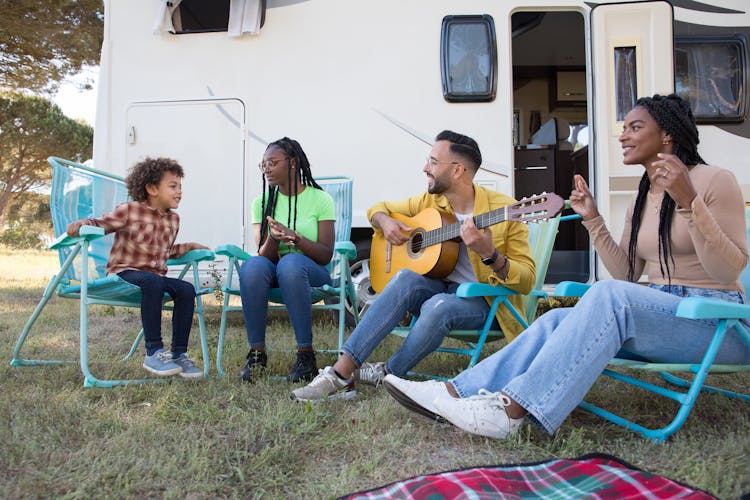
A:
(256, 361)
(304, 368)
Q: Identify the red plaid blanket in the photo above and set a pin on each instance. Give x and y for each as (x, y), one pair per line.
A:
(595, 475)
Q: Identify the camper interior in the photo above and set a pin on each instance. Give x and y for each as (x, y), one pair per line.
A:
(550, 118)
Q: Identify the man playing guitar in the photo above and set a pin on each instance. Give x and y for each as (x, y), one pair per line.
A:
(499, 256)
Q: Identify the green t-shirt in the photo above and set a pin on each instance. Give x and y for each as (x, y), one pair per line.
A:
(313, 205)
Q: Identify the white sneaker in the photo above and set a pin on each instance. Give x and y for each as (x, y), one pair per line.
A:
(370, 373)
(326, 386)
(483, 414)
(417, 396)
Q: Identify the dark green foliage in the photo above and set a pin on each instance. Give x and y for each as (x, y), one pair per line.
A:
(31, 129)
(41, 43)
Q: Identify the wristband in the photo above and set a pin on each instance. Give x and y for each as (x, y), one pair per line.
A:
(491, 259)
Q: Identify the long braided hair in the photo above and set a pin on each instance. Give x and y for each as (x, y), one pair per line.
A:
(673, 115)
(301, 174)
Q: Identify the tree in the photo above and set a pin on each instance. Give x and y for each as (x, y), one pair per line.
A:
(31, 129)
(41, 43)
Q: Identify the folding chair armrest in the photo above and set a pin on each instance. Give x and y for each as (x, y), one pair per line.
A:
(85, 233)
(192, 256)
(466, 290)
(700, 308)
(232, 251)
(571, 289)
(346, 248)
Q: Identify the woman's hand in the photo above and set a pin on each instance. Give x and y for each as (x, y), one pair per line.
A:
(581, 200)
(280, 232)
(673, 176)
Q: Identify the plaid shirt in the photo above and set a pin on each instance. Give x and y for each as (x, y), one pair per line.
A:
(144, 237)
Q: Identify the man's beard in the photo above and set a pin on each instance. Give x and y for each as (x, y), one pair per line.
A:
(438, 187)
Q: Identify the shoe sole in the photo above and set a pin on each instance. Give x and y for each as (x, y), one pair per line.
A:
(163, 373)
(331, 397)
(191, 375)
(410, 404)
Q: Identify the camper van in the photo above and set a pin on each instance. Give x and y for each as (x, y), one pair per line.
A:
(365, 86)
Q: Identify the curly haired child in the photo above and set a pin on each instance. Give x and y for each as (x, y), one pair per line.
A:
(145, 232)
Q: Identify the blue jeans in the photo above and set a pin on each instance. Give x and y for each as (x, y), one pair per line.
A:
(153, 287)
(294, 274)
(439, 312)
(550, 367)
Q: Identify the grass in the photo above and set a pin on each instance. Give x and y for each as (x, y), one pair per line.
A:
(224, 439)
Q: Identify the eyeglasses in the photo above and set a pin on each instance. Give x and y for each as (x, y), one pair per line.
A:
(269, 164)
(434, 162)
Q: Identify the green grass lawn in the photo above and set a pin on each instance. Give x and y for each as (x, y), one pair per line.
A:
(222, 438)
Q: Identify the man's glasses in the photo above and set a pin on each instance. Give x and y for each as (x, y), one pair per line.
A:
(269, 164)
(434, 162)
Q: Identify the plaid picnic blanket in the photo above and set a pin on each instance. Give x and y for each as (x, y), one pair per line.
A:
(594, 475)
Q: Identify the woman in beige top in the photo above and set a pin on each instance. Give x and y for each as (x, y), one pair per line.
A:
(685, 228)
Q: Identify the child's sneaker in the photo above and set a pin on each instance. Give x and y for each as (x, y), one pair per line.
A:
(161, 363)
(189, 370)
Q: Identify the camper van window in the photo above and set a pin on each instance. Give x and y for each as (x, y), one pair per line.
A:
(710, 73)
(626, 83)
(468, 58)
(201, 16)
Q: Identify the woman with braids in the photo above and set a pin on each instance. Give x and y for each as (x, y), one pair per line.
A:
(293, 222)
(685, 228)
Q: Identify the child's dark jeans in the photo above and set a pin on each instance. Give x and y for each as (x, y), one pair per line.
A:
(153, 286)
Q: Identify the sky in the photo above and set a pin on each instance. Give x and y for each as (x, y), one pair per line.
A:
(76, 103)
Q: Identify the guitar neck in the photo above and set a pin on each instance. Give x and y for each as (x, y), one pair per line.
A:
(452, 231)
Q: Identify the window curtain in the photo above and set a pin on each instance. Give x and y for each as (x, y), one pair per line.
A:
(244, 17)
(625, 81)
(163, 24)
(713, 69)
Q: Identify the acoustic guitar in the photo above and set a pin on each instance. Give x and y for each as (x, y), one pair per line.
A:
(432, 247)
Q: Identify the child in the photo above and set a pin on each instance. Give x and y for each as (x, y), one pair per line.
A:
(145, 230)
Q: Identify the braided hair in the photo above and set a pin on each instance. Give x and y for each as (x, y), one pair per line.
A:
(301, 174)
(673, 115)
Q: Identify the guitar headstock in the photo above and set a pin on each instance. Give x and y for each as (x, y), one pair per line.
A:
(539, 207)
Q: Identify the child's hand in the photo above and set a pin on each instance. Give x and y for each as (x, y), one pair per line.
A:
(73, 227)
(196, 246)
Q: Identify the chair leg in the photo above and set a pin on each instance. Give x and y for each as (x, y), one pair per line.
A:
(222, 332)
(681, 382)
(204, 341)
(685, 399)
(134, 347)
(46, 296)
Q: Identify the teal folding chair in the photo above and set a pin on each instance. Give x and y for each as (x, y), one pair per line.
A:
(340, 296)
(730, 316)
(541, 240)
(80, 192)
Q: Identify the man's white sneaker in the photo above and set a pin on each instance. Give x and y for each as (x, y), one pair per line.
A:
(483, 414)
(417, 396)
(326, 386)
(370, 373)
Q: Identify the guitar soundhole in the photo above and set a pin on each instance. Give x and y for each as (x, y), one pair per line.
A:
(415, 242)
